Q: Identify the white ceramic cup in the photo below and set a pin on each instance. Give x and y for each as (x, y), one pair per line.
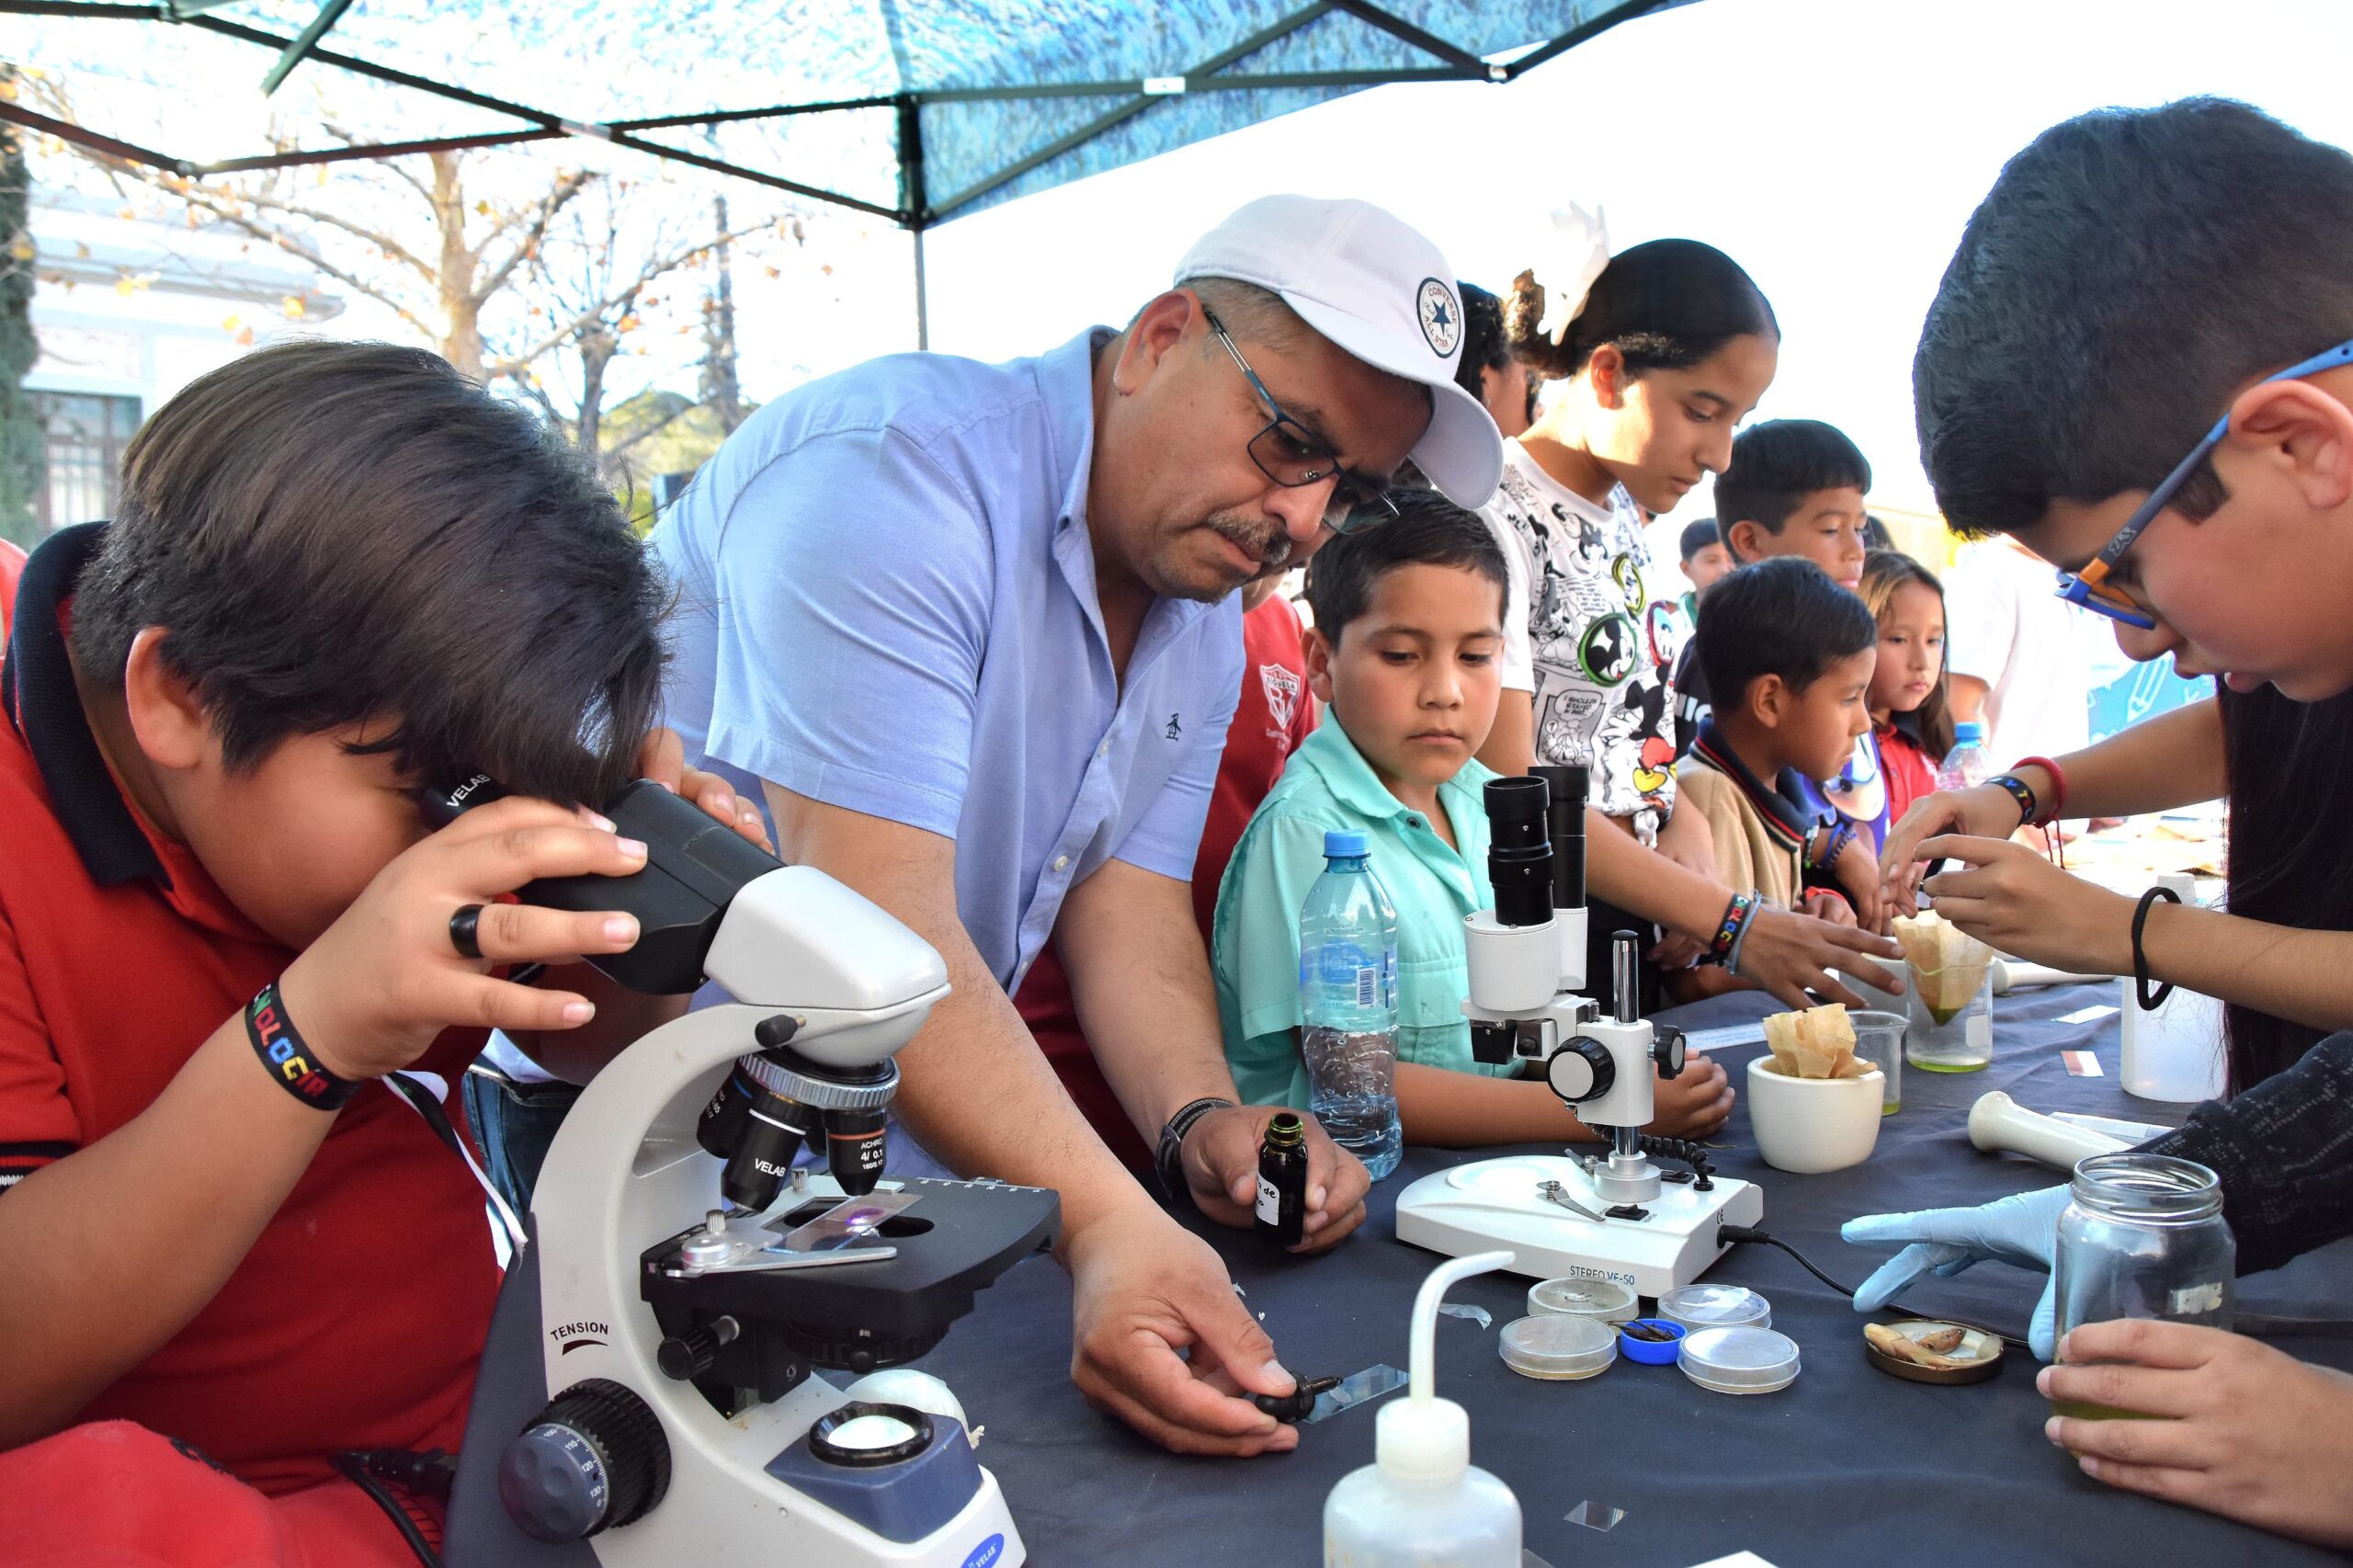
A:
(1807, 1126)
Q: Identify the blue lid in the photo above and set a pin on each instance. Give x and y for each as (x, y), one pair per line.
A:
(1966, 730)
(1346, 843)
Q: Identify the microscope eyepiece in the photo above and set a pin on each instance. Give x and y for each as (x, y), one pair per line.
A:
(1520, 852)
(1564, 822)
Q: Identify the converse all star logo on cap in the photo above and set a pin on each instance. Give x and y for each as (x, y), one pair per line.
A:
(1441, 316)
(1379, 290)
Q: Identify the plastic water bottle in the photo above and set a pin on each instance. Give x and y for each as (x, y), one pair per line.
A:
(1347, 1003)
(1966, 765)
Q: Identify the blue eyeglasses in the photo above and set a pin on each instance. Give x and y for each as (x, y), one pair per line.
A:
(2089, 587)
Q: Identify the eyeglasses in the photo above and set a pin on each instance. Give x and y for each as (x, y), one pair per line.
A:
(1295, 457)
(2089, 587)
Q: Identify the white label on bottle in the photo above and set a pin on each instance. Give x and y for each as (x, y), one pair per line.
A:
(2192, 1301)
(1979, 1032)
(1271, 1203)
(1368, 987)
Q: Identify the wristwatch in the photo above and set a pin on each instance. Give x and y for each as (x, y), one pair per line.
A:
(1169, 1162)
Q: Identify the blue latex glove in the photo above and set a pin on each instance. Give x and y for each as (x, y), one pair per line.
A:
(2021, 1230)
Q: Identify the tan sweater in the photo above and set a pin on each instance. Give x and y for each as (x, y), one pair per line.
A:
(1746, 854)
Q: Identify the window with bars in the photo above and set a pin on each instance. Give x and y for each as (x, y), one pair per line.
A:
(86, 433)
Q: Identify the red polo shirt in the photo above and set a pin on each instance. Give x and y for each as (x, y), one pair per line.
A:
(357, 1318)
(1274, 715)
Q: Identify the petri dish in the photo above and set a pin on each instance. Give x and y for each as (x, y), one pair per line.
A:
(1739, 1360)
(1601, 1299)
(1716, 1306)
(1558, 1347)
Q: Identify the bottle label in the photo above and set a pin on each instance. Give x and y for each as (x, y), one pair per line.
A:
(1271, 1203)
(1368, 987)
(2192, 1301)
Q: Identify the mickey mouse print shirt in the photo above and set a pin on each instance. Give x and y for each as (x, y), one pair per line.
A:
(1580, 637)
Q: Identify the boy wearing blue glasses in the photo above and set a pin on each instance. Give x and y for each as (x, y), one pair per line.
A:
(2138, 366)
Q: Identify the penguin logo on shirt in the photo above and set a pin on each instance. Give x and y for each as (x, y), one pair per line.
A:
(1175, 731)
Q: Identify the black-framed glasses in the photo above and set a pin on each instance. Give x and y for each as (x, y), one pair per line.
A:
(2090, 588)
(1295, 457)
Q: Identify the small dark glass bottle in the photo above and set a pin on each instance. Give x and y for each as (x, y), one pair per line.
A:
(1282, 1181)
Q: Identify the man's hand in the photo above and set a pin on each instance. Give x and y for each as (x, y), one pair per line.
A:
(2015, 900)
(1161, 1341)
(1222, 1169)
(1790, 954)
(382, 982)
(1988, 811)
(1694, 1103)
(662, 759)
(2252, 1434)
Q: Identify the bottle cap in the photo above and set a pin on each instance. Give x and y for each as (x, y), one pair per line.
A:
(1716, 1306)
(1965, 731)
(1739, 1360)
(1344, 843)
(1422, 1439)
(1558, 1347)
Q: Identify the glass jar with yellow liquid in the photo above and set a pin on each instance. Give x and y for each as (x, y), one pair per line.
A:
(2143, 1236)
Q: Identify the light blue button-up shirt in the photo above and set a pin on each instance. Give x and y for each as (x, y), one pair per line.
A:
(887, 603)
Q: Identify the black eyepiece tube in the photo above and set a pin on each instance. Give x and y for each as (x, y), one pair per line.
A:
(1520, 856)
(1564, 819)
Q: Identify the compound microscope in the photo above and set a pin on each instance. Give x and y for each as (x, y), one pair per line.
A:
(649, 1394)
(1616, 1217)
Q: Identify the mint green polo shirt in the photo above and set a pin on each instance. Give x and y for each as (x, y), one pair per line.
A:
(1254, 939)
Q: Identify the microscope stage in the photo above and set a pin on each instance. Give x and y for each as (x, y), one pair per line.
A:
(1499, 1203)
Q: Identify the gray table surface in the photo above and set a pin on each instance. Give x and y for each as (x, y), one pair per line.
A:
(1846, 1465)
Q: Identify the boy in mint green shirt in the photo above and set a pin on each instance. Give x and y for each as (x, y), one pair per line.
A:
(1408, 628)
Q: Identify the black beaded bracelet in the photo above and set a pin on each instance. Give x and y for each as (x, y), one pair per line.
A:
(2030, 804)
(288, 1057)
(2149, 1002)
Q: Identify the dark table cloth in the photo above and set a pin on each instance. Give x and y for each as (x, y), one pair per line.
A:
(1847, 1465)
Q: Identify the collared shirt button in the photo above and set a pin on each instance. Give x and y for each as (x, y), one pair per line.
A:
(1060, 861)
(1104, 749)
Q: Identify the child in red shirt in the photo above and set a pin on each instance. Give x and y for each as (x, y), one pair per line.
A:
(1910, 724)
(339, 573)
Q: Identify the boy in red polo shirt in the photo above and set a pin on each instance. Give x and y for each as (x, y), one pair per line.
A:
(338, 572)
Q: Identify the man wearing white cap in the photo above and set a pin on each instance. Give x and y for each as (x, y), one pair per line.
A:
(970, 631)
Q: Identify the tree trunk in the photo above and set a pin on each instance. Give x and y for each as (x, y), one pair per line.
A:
(720, 388)
(23, 442)
(461, 341)
(596, 350)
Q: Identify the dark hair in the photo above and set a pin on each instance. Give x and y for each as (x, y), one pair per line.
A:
(1428, 530)
(2130, 271)
(334, 532)
(1875, 534)
(1665, 305)
(1775, 465)
(1484, 346)
(2289, 766)
(1782, 617)
(1698, 536)
(1884, 571)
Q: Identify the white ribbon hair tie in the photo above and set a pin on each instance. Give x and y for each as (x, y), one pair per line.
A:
(1580, 249)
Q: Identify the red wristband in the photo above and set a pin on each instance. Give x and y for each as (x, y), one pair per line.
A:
(2057, 808)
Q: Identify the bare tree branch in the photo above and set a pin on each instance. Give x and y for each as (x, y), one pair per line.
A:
(567, 186)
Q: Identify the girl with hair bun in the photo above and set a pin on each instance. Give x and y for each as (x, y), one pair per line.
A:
(1663, 349)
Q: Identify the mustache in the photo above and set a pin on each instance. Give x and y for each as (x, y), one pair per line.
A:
(1267, 541)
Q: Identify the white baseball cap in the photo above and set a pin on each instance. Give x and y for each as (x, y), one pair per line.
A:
(1380, 290)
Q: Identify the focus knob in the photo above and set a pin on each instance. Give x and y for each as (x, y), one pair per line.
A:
(1581, 1070)
(594, 1460)
(689, 1356)
(1668, 1051)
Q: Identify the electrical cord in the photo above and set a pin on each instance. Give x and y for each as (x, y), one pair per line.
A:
(423, 1475)
(1750, 1233)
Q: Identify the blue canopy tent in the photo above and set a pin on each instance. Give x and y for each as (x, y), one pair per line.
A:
(911, 112)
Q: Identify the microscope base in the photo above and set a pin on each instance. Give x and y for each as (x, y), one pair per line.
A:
(1497, 1203)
